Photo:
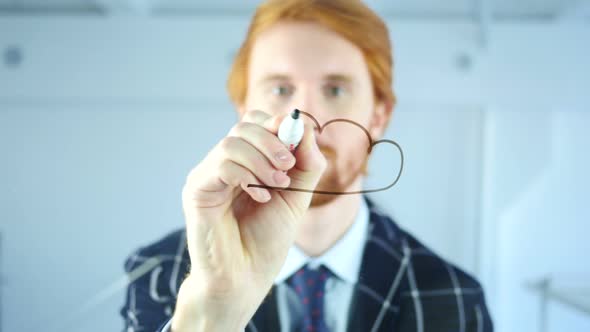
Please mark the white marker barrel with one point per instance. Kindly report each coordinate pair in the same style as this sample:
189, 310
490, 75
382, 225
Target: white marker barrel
291, 130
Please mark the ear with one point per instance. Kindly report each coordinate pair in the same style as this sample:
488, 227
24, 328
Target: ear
380, 119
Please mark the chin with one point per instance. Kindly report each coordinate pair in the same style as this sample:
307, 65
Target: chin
337, 181
331, 182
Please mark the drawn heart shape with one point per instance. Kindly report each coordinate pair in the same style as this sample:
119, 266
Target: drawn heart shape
372, 144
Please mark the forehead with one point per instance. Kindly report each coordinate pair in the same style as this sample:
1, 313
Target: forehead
304, 50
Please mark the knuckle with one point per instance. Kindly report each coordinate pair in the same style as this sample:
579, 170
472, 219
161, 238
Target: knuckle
233, 173
252, 114
243, 128
235, 129
227, 143
226, 171
190, 177
248, 116
190, 197
255, 116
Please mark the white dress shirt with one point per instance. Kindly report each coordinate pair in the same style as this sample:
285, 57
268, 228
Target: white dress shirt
343, 259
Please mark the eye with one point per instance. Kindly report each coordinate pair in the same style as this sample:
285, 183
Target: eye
282, 90
334, 91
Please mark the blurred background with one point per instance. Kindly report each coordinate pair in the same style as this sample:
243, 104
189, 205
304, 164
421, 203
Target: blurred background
106, 105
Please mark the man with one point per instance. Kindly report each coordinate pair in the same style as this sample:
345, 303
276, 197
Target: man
266, 260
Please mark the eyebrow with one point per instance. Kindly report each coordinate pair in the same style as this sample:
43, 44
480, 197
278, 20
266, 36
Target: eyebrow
339, 77
283, 77
273, 78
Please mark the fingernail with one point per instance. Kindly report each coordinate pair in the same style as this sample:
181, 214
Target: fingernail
280, 177
283, 155
263, 194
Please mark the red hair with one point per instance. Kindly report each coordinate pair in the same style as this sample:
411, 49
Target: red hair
351, 19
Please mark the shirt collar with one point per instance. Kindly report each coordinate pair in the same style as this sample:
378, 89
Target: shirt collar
343, 258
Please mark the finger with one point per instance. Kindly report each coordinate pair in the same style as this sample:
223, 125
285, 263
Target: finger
243, 153
269, 122
255, 116
265, 142
309, 167
308, 155
236, 175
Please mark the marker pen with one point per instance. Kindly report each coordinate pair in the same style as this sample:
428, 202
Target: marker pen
291, 130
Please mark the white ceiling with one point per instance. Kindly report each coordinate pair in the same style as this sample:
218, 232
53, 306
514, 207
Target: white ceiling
412, 8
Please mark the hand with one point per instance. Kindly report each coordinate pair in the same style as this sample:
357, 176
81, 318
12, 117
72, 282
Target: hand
238, 237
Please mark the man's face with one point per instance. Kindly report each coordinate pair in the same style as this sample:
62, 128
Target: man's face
306, 66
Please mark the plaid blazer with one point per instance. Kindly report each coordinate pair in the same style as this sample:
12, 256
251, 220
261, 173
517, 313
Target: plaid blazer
403, 286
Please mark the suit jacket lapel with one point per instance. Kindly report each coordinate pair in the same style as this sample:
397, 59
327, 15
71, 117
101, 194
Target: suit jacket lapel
266, 317
381, 272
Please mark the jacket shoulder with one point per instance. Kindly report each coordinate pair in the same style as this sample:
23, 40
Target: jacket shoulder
449, 297
169, 247
155, 272
433, 271
163, 264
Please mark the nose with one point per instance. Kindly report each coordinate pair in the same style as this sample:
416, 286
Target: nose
310, 102
323, 138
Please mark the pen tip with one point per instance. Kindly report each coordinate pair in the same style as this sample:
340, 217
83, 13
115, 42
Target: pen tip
295, 114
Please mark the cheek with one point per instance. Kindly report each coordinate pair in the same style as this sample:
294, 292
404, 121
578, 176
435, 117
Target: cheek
352, 149
254, 100
259, 101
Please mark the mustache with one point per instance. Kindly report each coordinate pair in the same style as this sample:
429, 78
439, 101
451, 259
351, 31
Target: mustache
328, 152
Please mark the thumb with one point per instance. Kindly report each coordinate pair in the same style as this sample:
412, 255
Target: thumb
310, 162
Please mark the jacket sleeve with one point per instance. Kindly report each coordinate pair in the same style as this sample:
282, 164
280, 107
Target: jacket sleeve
149, 300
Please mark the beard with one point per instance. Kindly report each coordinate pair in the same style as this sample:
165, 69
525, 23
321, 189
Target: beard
335, 180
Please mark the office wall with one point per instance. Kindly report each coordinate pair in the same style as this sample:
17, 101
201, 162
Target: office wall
538, 204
